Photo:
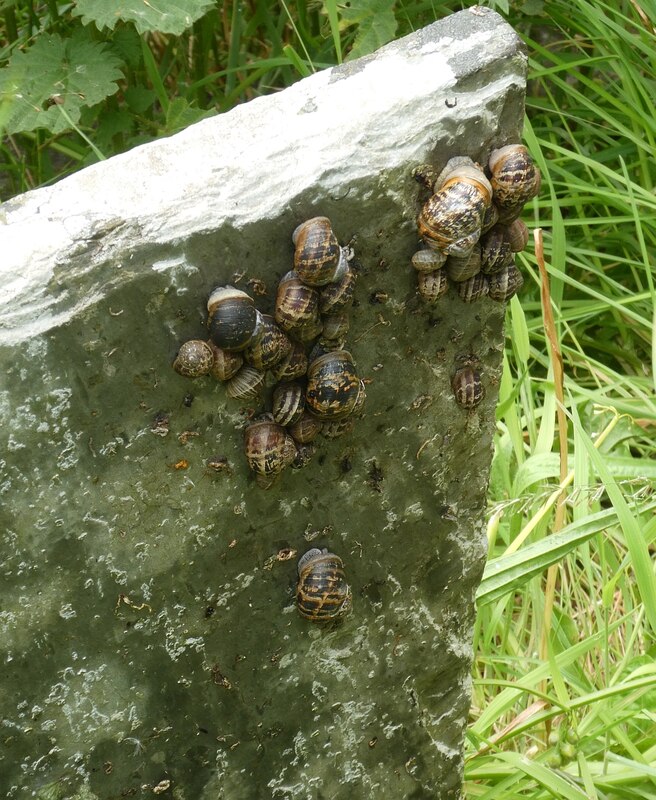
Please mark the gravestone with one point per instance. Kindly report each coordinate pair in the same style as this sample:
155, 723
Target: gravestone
150, 641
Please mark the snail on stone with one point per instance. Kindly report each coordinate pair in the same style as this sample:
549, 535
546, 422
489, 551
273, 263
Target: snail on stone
432, 285
305, 429
233, 318
246, 384
505, 283
269, 345
467, 387
333, 386
288, 402
195, 358
269, 449
226, 363
514, 179
322, 593
338, 296
297, 305
293, 365
318, 257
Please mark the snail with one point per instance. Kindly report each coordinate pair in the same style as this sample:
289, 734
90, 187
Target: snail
467, 387
462, 268
335, 325
305, 429
517, 235
246, 384
194, 358
451, 219
269, 346
514, 179
226, 363
504, 284
473, 289
233, 318
322, 593
338, 296
269, 449
333, 386
318, 258
337, 427
296, 304
288, 402
304, 454
293, 365
428, 260
496, 252
432, 285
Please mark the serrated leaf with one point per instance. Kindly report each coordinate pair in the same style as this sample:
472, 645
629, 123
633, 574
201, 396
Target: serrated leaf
180, 115
376, 24
167, 16
56, 73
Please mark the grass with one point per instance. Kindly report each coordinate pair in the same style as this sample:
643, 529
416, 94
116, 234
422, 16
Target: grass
564, 697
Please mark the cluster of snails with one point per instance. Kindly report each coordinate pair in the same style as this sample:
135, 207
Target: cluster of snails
470, 225
317, 387
322, 593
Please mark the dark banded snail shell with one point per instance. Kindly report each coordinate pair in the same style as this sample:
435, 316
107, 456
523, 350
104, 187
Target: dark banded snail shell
333, 385
269, 345
514, 179
268, 447
338, 296
504, 284
305, 429
288, 402
322, 593
226, 363
296, 304
233, 318
432, 285
293, 365
318, 258
467, 387
462, 268
246, 384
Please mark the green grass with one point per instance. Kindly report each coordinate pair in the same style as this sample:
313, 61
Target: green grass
564, 697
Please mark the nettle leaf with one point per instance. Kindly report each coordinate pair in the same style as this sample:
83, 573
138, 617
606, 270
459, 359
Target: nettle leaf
167, 16
56, 74
376, 24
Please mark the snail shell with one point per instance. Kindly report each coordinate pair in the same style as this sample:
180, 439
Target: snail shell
305, 429
336, 325
514, 179
268, 447
323, 346
517, 235
467, 387
337, 427
473, 289
194, 358
308, 333
318, 258
296, 304
462, 268
496, 252
304, 454
451, 219
288, 403
428, 260
432, 285
333, 386
322, 593
269, 345
293, 365
503, 285
246, 384
338, 296
226, 363
490, 218
233, 318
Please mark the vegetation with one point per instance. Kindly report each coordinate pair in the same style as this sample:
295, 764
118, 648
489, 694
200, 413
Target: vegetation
565, 674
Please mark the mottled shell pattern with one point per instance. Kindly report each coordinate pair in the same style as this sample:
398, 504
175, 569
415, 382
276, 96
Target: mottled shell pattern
468, 388
333, 386
318, 257
195, 358
268, 446
322, 592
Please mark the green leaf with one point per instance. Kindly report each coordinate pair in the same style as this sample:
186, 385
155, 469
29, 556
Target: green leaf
57, 74
180, 114
167, 16
376, 24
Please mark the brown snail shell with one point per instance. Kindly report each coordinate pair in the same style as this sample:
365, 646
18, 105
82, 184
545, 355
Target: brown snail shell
432, 285
428, 260
451, 219
333, 386
269, 345
288, 402
490, 218
323, 346
338, 296
305, 429
504, 284
514, 179
293, 365
296, 304
226, 363
462, 268
233, 318
268, 447
336, 325
194, 358
318, 258
473, 289
496, 252
517, 235
310, 331
467, 387
322, 593
304, 454
246, 384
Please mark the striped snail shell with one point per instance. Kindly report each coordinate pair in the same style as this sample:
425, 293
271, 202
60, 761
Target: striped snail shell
473, 289
490, 218
432, 285
496, 252
233, 318
338, 296
246, 384
333, 386
467, 387
288, 402
514, 179
336, 325
194, 359
451, 219
318, 258
269, 345
293, 365
322, 593
268, 447
310, 331
305, 429
296, 304
517, 235
462, 268
428, 260
226, 363
323, 346
504, 284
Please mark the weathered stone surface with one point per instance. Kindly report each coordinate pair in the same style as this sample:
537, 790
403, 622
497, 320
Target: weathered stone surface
146, 634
